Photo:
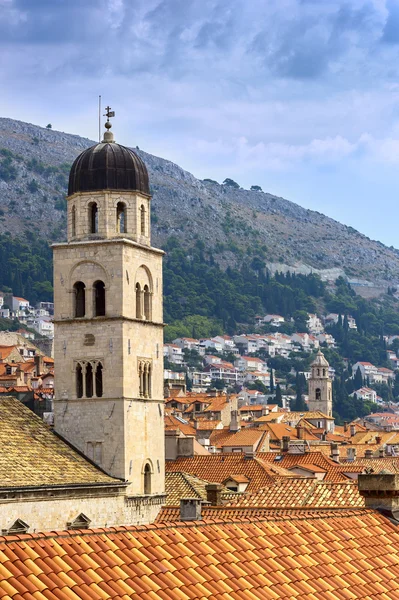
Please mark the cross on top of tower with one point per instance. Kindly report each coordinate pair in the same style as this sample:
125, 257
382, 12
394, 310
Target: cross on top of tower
108, 136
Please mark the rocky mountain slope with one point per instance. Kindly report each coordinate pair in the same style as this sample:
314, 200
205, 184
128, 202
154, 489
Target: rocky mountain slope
234, 224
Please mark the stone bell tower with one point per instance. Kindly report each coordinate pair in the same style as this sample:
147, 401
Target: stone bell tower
320, 386
108, 319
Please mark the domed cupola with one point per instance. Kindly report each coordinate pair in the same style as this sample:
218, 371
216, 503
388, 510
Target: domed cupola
108, 166
109, 193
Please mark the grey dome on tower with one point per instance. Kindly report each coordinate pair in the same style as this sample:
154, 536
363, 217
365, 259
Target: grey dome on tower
108, 166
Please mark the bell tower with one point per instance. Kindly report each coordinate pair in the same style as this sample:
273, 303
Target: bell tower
320, 386
108, 319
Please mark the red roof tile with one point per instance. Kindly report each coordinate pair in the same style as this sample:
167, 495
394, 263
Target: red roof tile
304, 555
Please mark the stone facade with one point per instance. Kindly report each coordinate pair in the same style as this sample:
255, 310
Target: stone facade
57, 509
320, 386
109, 360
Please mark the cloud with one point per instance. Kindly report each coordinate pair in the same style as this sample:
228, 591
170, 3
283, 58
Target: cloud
391, 29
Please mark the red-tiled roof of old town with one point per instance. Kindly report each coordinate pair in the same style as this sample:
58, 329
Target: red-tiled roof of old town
306, 554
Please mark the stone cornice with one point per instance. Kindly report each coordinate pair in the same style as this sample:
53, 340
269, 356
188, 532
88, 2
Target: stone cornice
105, 241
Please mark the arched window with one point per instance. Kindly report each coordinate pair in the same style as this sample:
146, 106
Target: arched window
138, 301
79, 290
142, 219
147, 303
318, 394
89, 381
99, 298
79, 381
324, 372
99, 380
73, 221
141, 380
93, 218
147, 479
121, 217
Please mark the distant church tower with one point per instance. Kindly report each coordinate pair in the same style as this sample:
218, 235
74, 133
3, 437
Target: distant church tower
108, 319
320, 386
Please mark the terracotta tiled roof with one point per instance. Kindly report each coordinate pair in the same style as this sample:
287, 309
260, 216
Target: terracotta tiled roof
334, 471
307, 555
218, 467
252, 407
206, 424
315, 414
32, 455
184, 485
287, 493
272, 416
245, 437
218, 437
172, 422
5, 351
279, 430
218, 404
376, 465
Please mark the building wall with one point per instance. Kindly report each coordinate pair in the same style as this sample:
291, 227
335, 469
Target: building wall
125, 427
54, 513
325, 403
107, 204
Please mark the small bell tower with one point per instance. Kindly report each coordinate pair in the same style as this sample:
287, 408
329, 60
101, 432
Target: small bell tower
108, 319
320, 386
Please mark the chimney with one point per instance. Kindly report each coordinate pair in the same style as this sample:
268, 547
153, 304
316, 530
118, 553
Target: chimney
190, 509
381, 492
249, 454
39, 364
214, 493
351, 454
234, 426
285, 443
265, 411
368, 454
352, 430
378, 439
335, 452
299, 432
345, 426
381, 452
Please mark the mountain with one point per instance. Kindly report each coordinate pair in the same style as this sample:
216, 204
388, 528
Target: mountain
235, 225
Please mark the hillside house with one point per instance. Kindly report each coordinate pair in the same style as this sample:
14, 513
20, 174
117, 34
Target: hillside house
365, 393
332, 318
224, 371
273, 320
246, 344
250, 363
315, 325
173, 353
306, 340
211, 344
367, 370
188, 344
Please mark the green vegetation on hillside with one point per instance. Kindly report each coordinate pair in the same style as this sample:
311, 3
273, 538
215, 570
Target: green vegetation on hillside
26, 267
196, 287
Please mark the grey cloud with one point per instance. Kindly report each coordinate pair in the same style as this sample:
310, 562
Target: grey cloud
308, 44
391, 29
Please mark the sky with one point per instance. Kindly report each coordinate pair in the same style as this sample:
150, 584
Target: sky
300, 97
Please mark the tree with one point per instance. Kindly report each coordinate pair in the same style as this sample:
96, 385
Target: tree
256, 188
217, 384
49, 126
278, 398
358, 380
231, 183
271, 382
257, 385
